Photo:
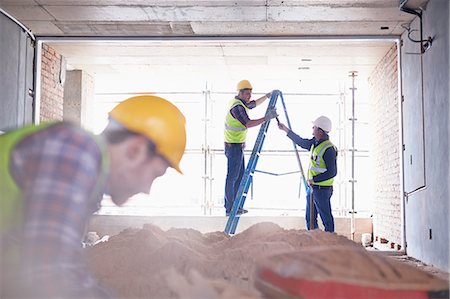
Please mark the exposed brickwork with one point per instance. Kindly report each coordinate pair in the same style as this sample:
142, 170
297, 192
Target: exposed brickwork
52, 91
386, 156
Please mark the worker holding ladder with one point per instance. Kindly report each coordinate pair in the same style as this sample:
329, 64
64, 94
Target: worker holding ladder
321, 172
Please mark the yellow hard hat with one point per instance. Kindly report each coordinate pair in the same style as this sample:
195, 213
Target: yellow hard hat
159, 120
244, 84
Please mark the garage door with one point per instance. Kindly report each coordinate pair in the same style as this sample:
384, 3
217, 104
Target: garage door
16, 75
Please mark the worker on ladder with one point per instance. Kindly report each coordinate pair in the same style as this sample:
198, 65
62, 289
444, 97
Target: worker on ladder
321, 172
236, 124
53, 177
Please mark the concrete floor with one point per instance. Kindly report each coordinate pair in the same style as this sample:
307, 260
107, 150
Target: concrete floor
403, 258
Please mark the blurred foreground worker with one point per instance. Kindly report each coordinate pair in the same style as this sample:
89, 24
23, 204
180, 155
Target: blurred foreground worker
321, 172
53, 177
237, 122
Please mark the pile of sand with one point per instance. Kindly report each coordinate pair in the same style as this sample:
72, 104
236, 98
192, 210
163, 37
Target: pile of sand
184, 263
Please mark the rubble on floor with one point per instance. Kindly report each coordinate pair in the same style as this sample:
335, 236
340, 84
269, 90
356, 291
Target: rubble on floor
184, 263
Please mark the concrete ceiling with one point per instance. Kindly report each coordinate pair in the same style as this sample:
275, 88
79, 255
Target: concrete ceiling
281, 60
287, 64
210, 17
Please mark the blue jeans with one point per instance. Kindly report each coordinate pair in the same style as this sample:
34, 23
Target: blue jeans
235, 171
322, 205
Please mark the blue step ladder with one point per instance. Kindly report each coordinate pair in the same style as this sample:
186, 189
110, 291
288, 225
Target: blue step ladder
246, 181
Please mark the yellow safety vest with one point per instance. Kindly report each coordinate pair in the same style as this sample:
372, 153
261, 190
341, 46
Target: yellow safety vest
11, 207
10, 193
235, 131
317, 164
10, 202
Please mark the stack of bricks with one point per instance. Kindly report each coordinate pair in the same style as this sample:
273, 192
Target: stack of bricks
52, 90
387, 224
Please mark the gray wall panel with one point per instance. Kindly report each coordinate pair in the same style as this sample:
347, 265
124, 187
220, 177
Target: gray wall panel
16, 75
427, 211
414, 155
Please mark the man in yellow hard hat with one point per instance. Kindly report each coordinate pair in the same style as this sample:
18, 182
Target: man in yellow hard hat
53, 177
321, 172
236, 124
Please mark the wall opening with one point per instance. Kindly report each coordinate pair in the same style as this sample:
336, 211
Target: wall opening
200, 77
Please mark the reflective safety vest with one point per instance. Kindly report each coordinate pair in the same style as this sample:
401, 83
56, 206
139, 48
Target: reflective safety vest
11, 209
235, 131
11, 202
317, 164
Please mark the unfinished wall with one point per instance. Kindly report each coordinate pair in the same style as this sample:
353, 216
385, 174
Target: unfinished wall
52, 90
427, 209
78, 93
387, 221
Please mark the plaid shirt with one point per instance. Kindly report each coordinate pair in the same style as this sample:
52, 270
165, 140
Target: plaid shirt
239, 112
57, 170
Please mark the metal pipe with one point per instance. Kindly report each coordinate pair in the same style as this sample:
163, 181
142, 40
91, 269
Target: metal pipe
345, 153
342, 195
401, 149
211, 203
206, 39
353, 75
287, 93
419, 14
37, 82
205, 149
311, 209
420, 188
216, 92
24, 28
409, 10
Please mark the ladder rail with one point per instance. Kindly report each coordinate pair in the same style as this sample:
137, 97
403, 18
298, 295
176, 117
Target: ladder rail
247, 178
295, 147
244, 185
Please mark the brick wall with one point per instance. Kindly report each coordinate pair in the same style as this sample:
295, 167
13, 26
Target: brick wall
386, 156
52, 90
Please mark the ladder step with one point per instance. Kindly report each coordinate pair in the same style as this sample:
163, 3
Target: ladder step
244, 185
247, 178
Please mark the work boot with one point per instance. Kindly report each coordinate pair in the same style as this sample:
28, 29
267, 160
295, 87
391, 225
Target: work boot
239, 212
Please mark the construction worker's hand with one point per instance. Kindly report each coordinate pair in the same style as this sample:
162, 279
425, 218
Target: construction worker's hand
271, 113
283, 127
310, 182
268, 95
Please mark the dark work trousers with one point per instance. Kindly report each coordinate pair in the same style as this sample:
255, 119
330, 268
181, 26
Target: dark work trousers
235, 170
322, 205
